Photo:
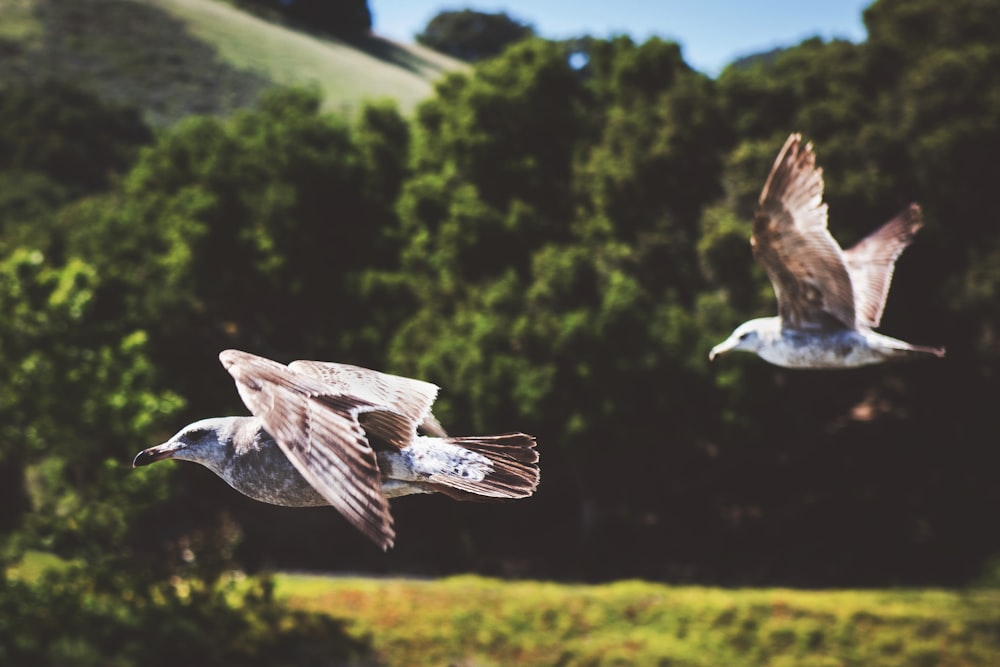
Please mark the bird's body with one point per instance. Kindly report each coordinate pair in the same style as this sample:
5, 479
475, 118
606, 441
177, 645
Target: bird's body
243, 453
835, 348
333, 434
829, 299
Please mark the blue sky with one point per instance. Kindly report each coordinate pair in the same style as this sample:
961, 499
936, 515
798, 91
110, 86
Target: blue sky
712, 33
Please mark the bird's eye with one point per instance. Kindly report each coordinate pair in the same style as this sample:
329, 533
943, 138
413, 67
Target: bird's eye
745, 336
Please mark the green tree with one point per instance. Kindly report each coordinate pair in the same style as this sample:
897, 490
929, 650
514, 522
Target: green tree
70, 135
546, 212
79, 391
57, 142
471, 35
273, 232
222, 225
893, 119
82, 392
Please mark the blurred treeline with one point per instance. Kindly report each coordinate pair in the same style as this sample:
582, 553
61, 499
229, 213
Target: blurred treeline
557, 239
345, 18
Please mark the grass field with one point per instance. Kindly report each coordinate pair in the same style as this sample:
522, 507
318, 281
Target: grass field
472, 621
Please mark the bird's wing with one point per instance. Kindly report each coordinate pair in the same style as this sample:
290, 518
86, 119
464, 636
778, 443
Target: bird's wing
404, 395
319, 432
871, 261
791, 241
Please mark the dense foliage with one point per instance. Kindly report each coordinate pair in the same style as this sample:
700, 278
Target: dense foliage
580, 237
83, 389
557, 238
473, 36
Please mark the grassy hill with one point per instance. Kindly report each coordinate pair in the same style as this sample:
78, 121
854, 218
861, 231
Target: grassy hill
177, 57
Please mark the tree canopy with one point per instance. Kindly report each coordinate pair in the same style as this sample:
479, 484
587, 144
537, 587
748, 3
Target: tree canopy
472, 35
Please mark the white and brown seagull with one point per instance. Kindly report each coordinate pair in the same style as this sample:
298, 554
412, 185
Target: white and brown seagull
829, 299
324, 433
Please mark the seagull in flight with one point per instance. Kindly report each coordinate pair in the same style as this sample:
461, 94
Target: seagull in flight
829, 299
324, 433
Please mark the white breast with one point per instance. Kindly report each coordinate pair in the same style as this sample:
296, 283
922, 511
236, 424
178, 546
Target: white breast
842, 349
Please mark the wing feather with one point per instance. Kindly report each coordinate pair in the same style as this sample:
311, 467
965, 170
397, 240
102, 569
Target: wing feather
871, 262
404, 395
319, 431
791, 241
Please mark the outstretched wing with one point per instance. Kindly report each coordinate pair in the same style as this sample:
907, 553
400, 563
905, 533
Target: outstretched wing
404, 395
871, 261
317, 427
791, 241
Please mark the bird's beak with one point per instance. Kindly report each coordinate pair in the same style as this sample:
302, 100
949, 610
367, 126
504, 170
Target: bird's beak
721, 348
158, 453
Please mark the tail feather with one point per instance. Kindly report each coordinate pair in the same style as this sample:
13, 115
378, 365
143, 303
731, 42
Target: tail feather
919, 351
514, 472
893, 349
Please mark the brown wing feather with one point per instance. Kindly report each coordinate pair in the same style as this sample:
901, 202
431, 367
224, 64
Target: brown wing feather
871, 261
319, 431
791, 241
407, 396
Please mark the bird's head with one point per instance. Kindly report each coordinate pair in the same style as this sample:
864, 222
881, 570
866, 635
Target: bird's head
208, 442
748, 337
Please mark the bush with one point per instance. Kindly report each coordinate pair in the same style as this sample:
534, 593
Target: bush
60, 619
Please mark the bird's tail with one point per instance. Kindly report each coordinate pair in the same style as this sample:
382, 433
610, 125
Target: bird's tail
908, 351
923, 350
893, 349
512, 471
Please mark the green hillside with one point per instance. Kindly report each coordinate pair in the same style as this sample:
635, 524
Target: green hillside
177, 57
